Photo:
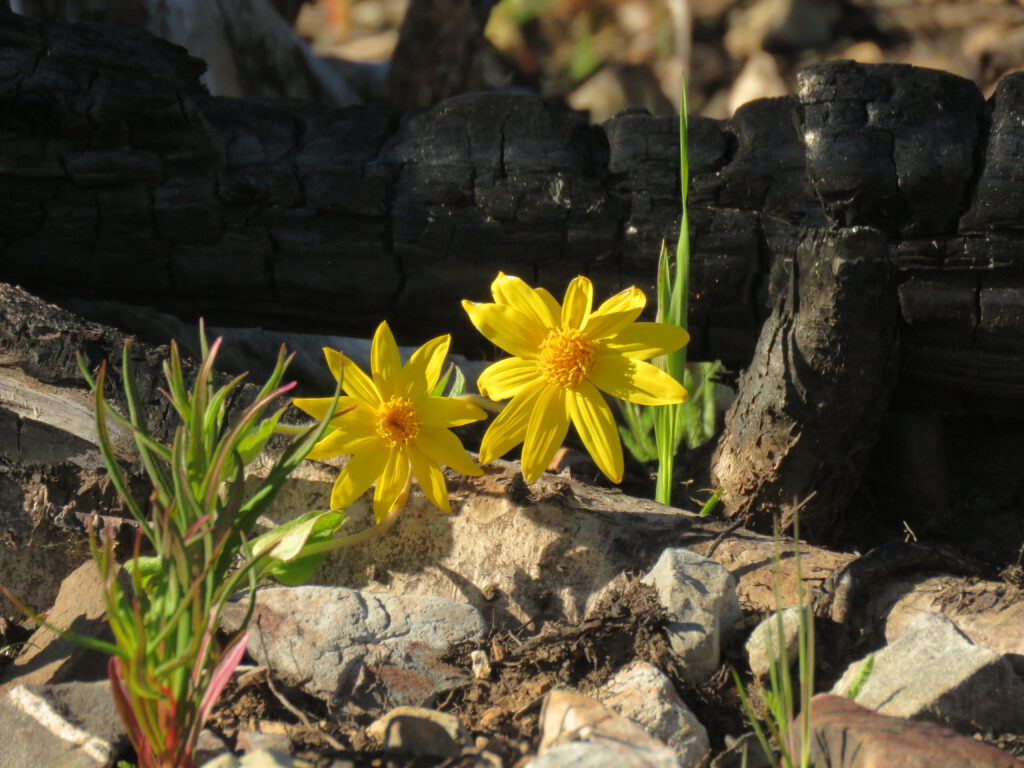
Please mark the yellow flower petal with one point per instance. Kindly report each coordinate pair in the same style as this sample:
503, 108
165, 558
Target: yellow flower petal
425, 365
635, 381
509, 428
393, 484
385, 363
334, 360
442, 447
509, 328
596, 426
317, 406
579, 297
549, 424
552, 304
358, 475
506, 377
448, 412
508, 289
341, 442
642, 341
431, 480
358, 384
615, 315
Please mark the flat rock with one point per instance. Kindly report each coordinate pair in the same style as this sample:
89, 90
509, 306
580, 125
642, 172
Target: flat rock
568, 718
641, 692
699, 596
763, 644
260, 758
359, 649
847, 735
70, 725
518, 553
47, 657
933, 672
593, 754
421, 731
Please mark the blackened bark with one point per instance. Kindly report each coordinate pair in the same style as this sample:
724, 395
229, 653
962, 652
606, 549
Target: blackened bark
121, 179
809, 408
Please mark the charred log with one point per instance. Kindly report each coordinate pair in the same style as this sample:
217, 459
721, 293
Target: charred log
809, 408
121, 178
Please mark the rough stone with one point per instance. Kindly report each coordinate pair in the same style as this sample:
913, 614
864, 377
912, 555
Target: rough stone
421, 731
268, 735
593, 754
847, 735
700, 597
359, 649
261, 758
763, 643
47, 657
933, 672
71, 725
568, 717
550, 551
642, 693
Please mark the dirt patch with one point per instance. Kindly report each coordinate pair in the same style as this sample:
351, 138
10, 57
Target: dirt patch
501, 712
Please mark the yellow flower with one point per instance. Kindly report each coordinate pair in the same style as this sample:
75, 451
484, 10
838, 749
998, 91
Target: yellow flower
562, 356
392, 426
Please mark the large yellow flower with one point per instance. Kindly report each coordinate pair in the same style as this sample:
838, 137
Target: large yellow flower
392, 426
562, 356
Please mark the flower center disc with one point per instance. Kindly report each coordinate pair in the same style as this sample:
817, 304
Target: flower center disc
397, 422
565, 357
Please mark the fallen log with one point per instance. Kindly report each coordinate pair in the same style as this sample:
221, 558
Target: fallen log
810, 405
121, 178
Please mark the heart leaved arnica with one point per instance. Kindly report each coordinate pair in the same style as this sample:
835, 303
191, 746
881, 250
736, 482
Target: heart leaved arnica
564, 356
393, 426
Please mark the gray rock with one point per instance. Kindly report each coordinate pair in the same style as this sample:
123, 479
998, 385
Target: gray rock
261, 758
48, 658
359, 649
550, 551
592, 754
932, 672
70, 725
578, 731
642, 693
699, 596
421, 731
763, 644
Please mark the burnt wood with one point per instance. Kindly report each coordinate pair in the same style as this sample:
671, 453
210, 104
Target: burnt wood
810, 404
120, 177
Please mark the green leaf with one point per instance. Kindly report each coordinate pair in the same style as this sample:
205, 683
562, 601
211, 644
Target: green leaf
250, 446
438, 389
459, 385
149, 570
290, 565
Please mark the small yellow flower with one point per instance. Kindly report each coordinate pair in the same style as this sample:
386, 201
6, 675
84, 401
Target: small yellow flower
392, 426
562, 356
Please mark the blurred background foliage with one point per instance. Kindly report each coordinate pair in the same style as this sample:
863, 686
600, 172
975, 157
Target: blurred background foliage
607, 55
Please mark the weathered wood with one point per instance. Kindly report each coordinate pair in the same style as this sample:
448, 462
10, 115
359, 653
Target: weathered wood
436, 56
810, 405
249, 46
120, 178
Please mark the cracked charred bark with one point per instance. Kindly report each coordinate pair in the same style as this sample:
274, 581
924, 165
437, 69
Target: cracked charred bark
810, 404
120, 178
